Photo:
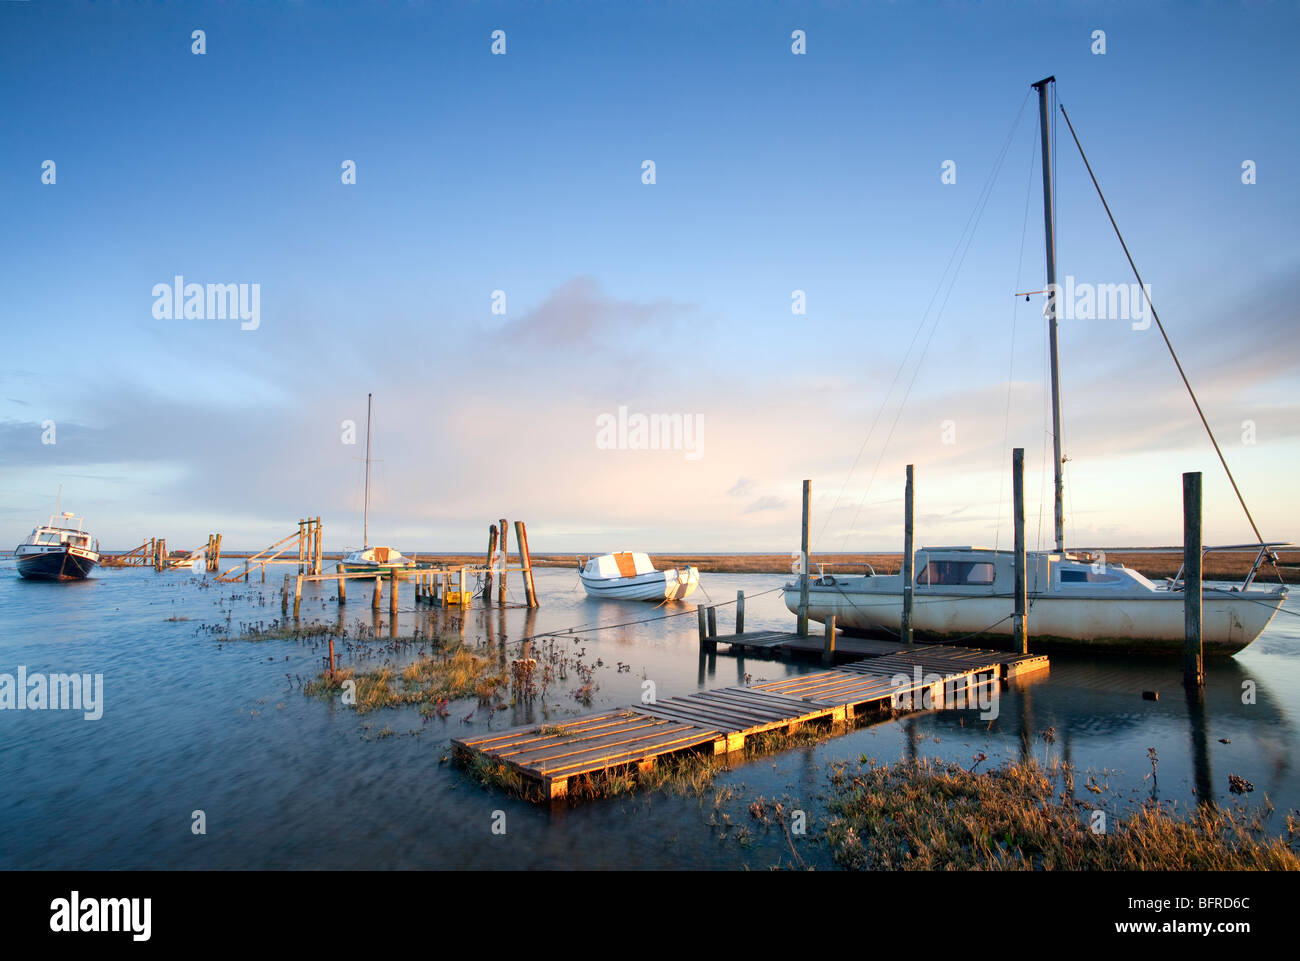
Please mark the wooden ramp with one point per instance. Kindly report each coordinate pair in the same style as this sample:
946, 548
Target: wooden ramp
718, 721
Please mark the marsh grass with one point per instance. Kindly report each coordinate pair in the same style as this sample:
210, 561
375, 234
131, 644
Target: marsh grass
429, 680
936, 815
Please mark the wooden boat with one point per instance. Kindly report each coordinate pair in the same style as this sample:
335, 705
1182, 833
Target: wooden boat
377, 559
58, 552
1075, 600
631, 576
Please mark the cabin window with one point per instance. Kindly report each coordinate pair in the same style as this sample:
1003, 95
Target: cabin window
1087, 577
951, 573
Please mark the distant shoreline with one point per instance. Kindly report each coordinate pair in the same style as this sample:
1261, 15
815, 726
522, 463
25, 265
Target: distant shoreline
1153, 562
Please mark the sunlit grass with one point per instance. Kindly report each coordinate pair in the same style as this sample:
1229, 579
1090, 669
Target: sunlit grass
934, 815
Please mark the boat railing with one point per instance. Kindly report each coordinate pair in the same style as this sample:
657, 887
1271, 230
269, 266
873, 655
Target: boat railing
1266, 551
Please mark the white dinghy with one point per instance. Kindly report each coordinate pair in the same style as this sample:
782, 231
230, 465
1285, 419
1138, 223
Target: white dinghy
630, 576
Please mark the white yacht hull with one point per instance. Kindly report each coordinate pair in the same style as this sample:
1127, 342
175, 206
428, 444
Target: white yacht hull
1229, 620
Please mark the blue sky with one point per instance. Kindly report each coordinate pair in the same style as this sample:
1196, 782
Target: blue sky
523, 173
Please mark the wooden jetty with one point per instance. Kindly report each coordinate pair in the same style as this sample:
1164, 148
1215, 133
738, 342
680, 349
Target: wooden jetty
897, 676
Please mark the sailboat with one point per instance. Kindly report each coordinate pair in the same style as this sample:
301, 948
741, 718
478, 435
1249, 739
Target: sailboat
367, 558
58, 551
1075, 600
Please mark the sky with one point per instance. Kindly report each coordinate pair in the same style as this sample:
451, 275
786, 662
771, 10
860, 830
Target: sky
504, 280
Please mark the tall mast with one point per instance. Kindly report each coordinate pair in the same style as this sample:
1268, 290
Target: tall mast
365, 517
1049, 230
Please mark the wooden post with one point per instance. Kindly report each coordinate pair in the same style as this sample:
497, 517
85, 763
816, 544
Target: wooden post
343, 585
521, 537
248, 564
803, 559
302, 547
392, 591
713, 621
828, 645
501, 585
1193, 652
297, 597
740, 612
320, 547
909, 557
374, 600
331, 653
284, 597
216, 561
443, 577
487, 578
1019, 626
703, 628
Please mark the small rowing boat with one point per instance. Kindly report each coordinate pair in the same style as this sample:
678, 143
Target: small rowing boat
630, 576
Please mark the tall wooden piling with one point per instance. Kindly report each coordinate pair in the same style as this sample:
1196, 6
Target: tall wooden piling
740, 612
1019, 623
713, 621
521, 537
505, 558
297, 597
302, 547
1193, 653
343, 584
392, 592
803, 559
909, 557
284, 597
828, 644
487, 576
379, 589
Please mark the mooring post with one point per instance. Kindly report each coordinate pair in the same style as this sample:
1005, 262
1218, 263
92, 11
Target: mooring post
343, 584
392, 591
713, 621
909, 557
1019, 626
703, 627
1193, 652
297, 597
284, 597
247, 565
331, 653
803, 559
740, 612
374, 600
487, 577
505, 557
320, 547
521, 537
302, 547
828, 645
216, 561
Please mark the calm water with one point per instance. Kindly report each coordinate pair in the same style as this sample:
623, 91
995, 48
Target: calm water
195, 720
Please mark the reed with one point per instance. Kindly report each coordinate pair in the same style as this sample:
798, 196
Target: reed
935, 815
429, 680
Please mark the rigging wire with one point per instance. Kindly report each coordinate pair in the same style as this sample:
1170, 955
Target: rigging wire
964, 243
1172, 353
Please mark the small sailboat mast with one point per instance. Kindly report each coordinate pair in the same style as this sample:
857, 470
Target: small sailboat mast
1049, 230
365, 516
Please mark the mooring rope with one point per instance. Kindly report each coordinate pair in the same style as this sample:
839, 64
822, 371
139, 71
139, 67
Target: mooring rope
1172, 353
